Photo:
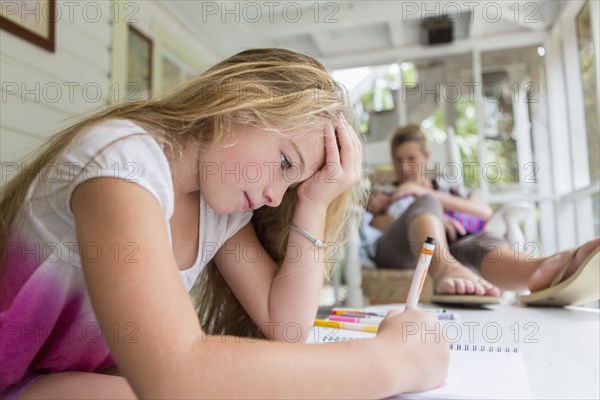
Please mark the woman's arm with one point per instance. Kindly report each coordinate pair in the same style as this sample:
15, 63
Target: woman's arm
470, 205
162, 351
382, 222
449, 201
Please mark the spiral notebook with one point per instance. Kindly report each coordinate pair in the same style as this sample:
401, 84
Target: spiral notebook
481, 372
475, 371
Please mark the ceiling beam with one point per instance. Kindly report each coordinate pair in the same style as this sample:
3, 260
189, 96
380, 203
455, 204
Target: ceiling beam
335, 15
527, 15
318, 41
397, 33
418, 52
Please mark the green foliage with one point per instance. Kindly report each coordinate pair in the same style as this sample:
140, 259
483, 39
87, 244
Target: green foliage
467, 139
409, 74
367, 99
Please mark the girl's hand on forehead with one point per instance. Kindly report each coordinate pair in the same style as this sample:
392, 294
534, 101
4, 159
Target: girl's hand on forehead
342, 168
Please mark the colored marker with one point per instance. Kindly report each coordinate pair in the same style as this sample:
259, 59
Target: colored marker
381, 316
445, 316
366, 325
371, 320
420, 273
346, 325
383, 312
344, 311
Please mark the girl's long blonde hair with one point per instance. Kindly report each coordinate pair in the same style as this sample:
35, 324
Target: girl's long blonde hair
271, 88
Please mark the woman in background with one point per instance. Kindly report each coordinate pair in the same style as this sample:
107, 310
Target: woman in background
421, 207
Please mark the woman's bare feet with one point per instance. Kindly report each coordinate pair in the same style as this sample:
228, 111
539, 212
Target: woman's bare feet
550, 266
454, 278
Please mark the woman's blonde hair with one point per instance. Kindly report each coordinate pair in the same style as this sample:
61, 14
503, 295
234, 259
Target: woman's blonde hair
269, 88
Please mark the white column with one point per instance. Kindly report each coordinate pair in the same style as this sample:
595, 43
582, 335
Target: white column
560, 145
484, 190
543, 159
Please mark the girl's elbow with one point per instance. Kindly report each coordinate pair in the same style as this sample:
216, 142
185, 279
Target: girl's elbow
288, 332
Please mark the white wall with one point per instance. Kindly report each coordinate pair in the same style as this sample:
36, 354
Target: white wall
41, 91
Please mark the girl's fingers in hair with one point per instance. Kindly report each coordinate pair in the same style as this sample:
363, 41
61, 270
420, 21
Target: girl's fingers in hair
352, 134
351, 150
345, 144
342, 165
357, 149
332, 155
348, 149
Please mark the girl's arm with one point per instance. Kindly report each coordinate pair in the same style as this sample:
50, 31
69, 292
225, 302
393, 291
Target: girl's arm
150, 325
284, 302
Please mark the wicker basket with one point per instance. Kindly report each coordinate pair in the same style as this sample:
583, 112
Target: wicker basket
382, 286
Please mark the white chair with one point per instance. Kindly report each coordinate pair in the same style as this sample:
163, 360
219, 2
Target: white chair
506, 222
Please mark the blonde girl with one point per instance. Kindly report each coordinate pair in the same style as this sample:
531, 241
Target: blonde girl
226, 187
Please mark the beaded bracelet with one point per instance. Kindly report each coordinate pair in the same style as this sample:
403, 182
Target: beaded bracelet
310, 237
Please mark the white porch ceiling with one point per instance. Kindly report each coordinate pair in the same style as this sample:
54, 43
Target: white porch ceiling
352, 33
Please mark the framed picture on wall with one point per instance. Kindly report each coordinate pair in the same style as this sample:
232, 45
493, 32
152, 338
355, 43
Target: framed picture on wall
31, 20
139, 65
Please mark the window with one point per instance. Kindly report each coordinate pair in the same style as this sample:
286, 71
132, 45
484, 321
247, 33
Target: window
587, 63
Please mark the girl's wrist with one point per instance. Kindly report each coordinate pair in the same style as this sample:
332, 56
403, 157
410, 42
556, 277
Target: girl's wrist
311, 218
388, 376
312, 206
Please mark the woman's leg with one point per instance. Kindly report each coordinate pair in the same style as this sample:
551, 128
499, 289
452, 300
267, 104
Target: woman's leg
400, 245
449, 275
396, 249
393, 249
499, 265
515, 270
79, 385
